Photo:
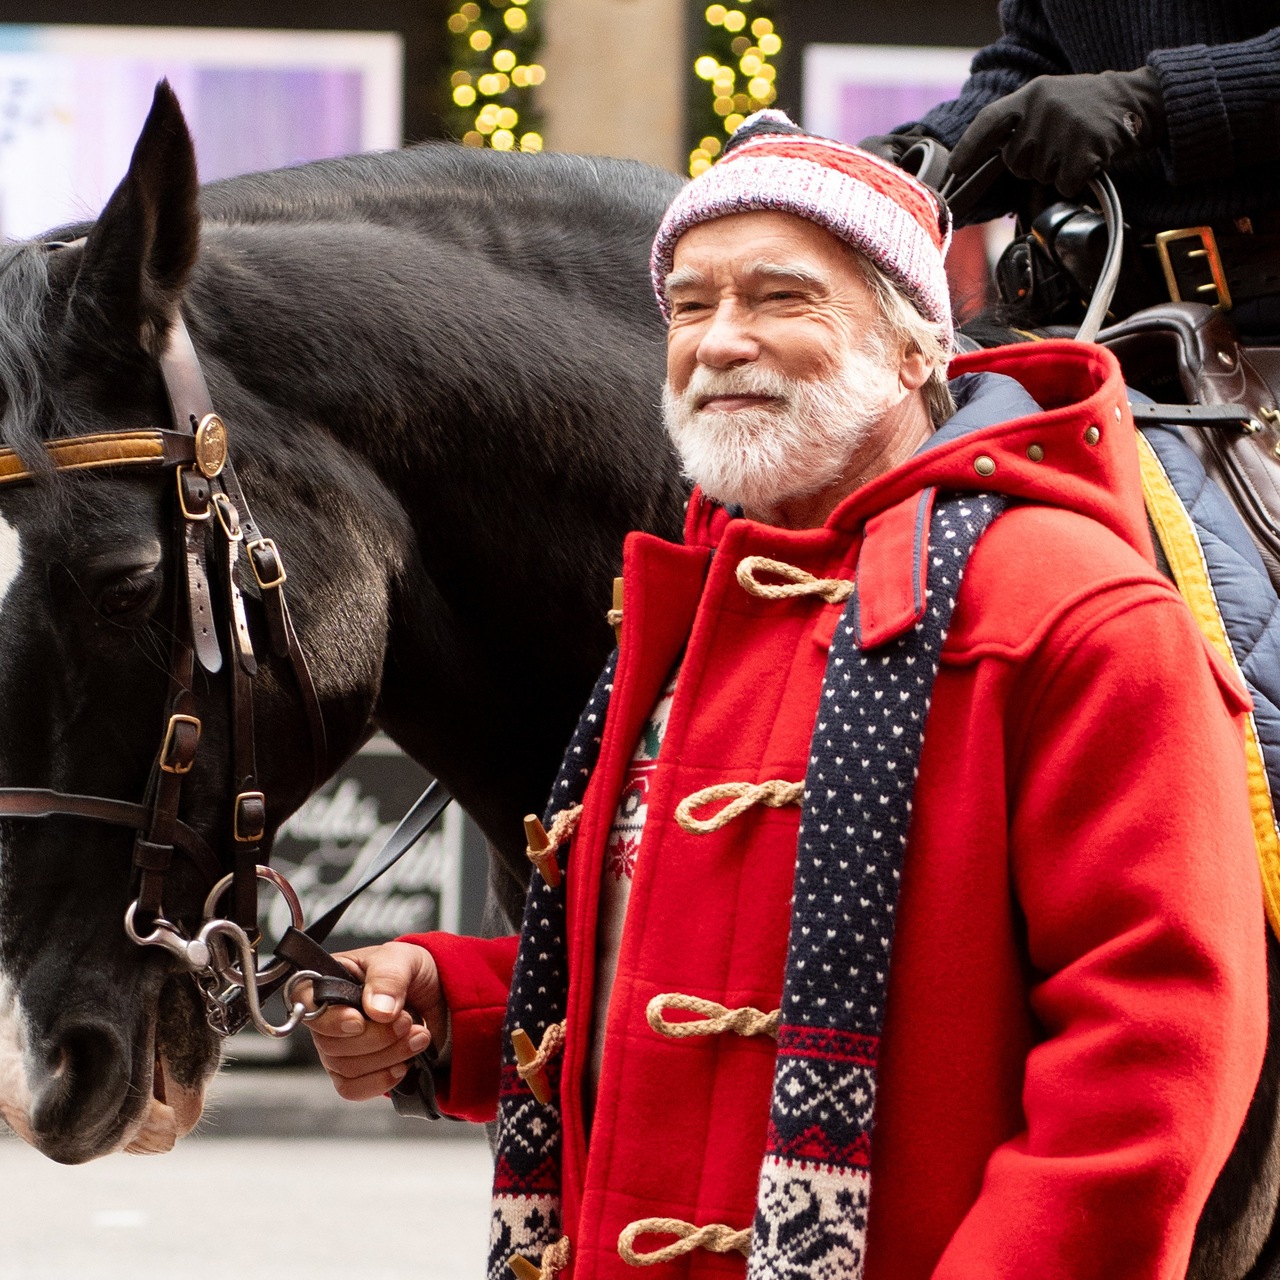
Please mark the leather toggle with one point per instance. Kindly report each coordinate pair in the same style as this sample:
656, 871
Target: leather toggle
555, 1258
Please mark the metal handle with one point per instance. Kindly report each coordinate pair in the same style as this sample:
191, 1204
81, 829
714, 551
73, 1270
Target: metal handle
1103, 292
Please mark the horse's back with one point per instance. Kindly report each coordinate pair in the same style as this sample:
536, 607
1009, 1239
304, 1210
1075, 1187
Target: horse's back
445, 187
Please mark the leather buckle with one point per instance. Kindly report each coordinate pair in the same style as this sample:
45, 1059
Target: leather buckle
181, 738
1208, 249
270, 573
228, 517
249, 824
185, 474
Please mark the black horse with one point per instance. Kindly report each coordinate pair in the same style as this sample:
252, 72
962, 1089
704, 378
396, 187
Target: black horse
440, 371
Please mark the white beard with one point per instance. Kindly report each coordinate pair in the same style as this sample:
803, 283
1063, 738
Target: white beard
791, 448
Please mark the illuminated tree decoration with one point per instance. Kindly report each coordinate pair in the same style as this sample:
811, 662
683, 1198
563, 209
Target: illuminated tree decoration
734, 61
495, 45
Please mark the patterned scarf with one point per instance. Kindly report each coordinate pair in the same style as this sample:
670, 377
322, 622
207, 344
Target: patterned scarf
815, 1181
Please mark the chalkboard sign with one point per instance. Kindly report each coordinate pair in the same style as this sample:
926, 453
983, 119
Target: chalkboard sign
325, 847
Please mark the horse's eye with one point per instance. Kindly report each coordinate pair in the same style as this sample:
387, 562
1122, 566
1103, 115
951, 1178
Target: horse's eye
126, 595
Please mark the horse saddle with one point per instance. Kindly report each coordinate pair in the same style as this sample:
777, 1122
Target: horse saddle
1190, 353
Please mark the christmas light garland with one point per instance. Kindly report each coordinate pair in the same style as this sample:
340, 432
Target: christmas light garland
738, 42
494, 50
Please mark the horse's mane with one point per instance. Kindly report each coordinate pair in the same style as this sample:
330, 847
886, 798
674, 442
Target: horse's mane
447, 184
24, 288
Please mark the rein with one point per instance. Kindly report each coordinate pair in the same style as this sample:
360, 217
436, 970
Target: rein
222, 955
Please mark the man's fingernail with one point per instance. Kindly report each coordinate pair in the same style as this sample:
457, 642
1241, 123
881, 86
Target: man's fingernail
382, 1003
399, 1071
352, 1026
419, 1039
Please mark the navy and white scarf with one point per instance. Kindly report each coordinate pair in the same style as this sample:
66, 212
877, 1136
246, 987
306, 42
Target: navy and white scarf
815, 1180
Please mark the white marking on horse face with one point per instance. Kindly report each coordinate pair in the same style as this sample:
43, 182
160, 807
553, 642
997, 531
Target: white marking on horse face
15, 1094
10, 557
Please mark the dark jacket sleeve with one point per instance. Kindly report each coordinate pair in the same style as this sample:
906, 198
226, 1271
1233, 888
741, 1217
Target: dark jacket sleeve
1222, 106
1026, 49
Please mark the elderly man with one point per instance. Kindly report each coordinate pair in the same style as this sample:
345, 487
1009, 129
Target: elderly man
840, 840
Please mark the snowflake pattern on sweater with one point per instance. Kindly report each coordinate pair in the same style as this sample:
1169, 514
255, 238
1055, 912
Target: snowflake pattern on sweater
633, 804
619, 871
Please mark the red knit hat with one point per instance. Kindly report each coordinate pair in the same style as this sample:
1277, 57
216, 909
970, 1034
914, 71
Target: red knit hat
888, 216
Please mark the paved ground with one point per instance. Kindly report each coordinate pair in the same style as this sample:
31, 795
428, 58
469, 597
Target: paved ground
269, 1207
300, 1102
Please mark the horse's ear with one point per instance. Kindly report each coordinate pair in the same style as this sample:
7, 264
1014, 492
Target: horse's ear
142, 248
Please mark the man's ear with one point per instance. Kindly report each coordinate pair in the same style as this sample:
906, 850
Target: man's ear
913, 369
142, 248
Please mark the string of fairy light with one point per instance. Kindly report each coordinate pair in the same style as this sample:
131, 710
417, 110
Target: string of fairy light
494, 48
736, 66
495, 45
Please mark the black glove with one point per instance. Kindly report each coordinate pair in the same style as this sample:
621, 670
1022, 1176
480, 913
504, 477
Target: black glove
1064, 130
892, 146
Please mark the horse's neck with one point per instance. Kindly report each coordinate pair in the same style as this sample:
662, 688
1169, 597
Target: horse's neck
511, 432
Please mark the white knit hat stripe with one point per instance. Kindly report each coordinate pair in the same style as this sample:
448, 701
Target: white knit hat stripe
875, 224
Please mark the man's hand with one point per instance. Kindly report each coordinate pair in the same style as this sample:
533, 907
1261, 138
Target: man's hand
366, 1056
1064, 130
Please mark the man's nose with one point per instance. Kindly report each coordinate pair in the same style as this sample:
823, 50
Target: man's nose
728, 339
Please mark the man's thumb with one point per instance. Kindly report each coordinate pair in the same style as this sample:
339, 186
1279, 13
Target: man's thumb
386, 982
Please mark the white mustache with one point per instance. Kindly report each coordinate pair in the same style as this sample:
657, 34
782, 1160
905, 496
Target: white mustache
795, 442
747, 380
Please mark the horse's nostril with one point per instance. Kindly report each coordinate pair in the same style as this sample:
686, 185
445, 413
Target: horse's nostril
88, 1079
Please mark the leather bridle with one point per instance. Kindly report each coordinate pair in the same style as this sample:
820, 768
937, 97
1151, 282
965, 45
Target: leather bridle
193, 455
222, 954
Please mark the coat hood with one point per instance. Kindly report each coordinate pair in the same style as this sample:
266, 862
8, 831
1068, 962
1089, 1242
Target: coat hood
1045, 422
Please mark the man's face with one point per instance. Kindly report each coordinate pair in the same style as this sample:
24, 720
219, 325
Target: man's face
777, 377
769, 289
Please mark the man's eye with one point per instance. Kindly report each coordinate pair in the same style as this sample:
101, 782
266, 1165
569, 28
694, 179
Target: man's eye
685, 306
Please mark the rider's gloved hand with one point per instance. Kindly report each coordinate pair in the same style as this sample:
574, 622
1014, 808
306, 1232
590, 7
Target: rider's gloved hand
892, 146
366, 1056
1064, 130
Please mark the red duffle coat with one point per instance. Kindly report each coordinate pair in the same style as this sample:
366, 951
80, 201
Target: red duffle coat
1077, 996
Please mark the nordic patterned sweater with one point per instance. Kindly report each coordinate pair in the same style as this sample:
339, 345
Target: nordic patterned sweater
1219, 65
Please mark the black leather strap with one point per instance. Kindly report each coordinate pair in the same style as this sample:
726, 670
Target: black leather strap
39, 802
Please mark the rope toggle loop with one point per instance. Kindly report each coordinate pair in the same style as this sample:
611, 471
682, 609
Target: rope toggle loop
543, 845
776, 793
716, 1237
531, 1063
798, 581
717, 1018
555, 1257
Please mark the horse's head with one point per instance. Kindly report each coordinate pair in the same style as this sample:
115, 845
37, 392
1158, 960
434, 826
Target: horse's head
104, 1044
